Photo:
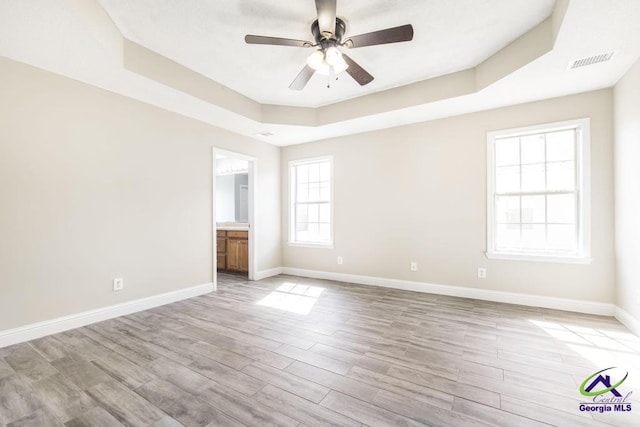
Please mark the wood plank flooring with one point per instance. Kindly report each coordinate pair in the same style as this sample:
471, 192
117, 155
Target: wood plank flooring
288, 351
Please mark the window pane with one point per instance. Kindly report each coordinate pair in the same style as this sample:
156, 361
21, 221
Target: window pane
562, 208
302, 234
532, 148
313, 232
507, 151
303, 193
508, 179
324, 232
533, 237
314, 191
560, 145
302, 214
314, 172
533, 178
560, 176
533, 209
311, 210
508, 236
325, 193
561, 237
325, 213
313, 213
303, 173
508, 209
325, 171
535, 190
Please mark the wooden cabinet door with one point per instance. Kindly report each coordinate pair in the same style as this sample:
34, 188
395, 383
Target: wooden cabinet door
221, 244
233, 254
233, 251
243, 255
221, 263
221, 250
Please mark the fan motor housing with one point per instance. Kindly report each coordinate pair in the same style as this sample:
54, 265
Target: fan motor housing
337, 37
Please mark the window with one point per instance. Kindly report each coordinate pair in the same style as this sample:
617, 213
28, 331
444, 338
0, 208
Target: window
310, 217
538, 193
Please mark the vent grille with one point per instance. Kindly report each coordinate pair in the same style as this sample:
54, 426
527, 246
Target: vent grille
584, 62
265, 134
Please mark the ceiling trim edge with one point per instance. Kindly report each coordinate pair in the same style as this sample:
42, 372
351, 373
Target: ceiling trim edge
522, 51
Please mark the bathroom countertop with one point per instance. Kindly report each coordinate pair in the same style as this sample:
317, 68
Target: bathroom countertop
233, 226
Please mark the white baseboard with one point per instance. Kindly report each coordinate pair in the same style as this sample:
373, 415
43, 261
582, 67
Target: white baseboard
579, 306
61, 324
263, 274
628, 320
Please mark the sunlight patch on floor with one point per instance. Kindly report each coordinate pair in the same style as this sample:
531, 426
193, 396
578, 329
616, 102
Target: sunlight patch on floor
601, 347
293, 297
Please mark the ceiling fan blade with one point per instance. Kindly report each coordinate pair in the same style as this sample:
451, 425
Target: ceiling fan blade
251, 39
326, 17
302, 78
403, 33
358, 73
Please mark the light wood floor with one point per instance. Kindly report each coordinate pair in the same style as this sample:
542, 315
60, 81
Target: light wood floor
361, 356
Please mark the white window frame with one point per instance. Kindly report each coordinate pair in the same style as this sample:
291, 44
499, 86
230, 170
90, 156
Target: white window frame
583, 190
292, 203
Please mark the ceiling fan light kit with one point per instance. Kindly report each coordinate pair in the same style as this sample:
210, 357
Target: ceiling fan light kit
322, 61
327, 59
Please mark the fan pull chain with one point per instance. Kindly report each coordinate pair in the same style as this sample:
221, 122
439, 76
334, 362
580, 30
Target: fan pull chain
332, 74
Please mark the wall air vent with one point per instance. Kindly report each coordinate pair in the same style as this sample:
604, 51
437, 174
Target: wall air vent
603, 57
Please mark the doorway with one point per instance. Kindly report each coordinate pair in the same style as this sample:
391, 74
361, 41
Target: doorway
234, 225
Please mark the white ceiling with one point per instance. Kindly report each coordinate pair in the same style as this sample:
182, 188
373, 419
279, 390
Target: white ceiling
208, 37
83, 40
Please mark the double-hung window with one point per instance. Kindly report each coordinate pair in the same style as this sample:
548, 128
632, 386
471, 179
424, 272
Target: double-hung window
538, 193
310, 193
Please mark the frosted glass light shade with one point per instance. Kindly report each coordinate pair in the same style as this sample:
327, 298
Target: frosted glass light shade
334, 58
316, 59
323, 61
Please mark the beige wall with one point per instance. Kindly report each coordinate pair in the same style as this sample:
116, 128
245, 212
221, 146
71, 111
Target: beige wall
627, 190
418, 193
94, 186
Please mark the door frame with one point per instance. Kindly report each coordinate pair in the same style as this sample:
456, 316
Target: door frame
252, 180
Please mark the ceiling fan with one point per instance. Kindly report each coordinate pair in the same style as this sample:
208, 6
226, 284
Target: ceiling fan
328, 33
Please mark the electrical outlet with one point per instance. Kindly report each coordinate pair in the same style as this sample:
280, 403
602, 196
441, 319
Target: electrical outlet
340, 260
414, 266
482, 273
118, 284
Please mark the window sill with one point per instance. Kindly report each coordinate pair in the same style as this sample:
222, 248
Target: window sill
311, 245
510, 256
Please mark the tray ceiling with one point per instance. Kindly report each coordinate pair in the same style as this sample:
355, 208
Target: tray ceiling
208, 37
189, 57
